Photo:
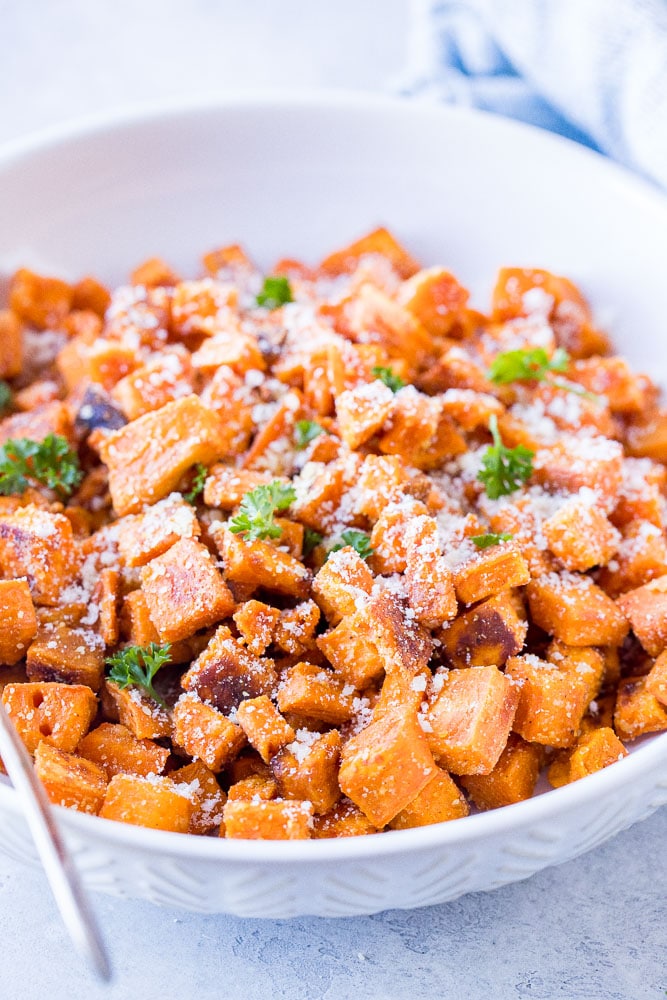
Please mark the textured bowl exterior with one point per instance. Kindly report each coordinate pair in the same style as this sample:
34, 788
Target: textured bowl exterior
299, 177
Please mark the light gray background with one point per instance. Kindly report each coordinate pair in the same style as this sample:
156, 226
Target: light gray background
595, 928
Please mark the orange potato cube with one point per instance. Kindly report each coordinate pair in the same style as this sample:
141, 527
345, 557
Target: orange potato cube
380, 242
428, 579
153, 272
580, 535
385, 766
136, 623
656, 679
612, 378
18, 621
490, 571
40, 301
486, 634
117, 751
278, 819
315, 692
420, 432
573, 462
266, 729
155, 802
70, 655
11, 344
344, 820
647, 437
438, 802
362, 411
46, 418
262, 565
646, 610
637, 710
70, 781
435, 298
148, 456
226, 485
470, 719
513, 778
207, 796
253, 787
342, 584
139, 712
593, 751
308, 769
205, 733
105, 597
271, 447
257, 623
226, 673
551, 701
185, 591
59, 714
89, 293
39, 546
142, 537
388, 537
587, 663
381, 480
295, 631
641, 557
576, 611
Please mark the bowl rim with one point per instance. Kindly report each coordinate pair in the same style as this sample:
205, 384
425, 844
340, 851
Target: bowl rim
463, 832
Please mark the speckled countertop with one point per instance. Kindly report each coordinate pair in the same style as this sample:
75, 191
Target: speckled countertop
595, 928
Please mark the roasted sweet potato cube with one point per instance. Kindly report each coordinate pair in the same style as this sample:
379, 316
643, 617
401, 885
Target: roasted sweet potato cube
428, 580
342, 584
486, 634
154, 801
226, 485
576, 611
637, 709
11, 344
208, 797
593, 751
420, 432
646, 437
595, 462
646, 610
438, 802
308, 769
142, 537
490, 571
70, 781
257, 623
40, 301
266, 729
271, 446
18, 621
382, 480
59, 714
135, 621
253, 787
656, 679
640, 557
470, 719
362, 411
89, 293
295, 631
262, 565
105, 597
469, 409
551, 701
185, 591
388, 537
39, 546
205, 733
277, 819
320, 490
70, 655
385, 766
435, 298
581, 535
317, 693
226, 673
148, 456
586, 662
380, 242
114, 749
46, 418
153, 272
402, 689
513, 778
344, 820
139, 712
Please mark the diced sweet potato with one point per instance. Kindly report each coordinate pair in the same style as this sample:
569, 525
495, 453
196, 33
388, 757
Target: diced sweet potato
154, 801
490, 571
436, 299
315, 692
551, 701
637, 710
139, 712
593, 751
136, 623
271, 448
257, 623
640, 557
11, 344
105, 597
231, 346
117, 751
646, 610
59, 714
342, 584
226, 673
656, 679
262, 565
89, 293
420, 432
70, 655
142, 537
428, 579
46, 418
226, 485
581, 535
576, 611
40, 301
18, 621
205, 733
380, 242
647, 436
70, 781
595, 462
207, 796
382, 480
295, 631
266, 729
185, 591
438, 802
513, 778
486, 634
470, 719
362, 411
153, 272
388, 538
39, 546
344, 820
308, 769
587, 663
148, 456
385, 766
278, 819
253, 787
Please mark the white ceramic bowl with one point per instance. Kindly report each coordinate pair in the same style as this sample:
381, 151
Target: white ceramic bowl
298, 177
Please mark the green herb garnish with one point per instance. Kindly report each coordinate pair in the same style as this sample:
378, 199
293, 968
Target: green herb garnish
255, 516
197, 487
137, 666
6, 397
311, 539
276, 291
389, 377
486, 541
306, 431
359, 541
50, 463
533, 365
504, 469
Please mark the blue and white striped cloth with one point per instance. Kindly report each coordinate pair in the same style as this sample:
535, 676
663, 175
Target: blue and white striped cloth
593, 70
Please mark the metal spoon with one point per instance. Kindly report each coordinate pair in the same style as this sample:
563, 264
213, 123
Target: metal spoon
58, 866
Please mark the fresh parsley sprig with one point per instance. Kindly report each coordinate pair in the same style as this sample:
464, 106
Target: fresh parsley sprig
389, 377
311, 539
306, 431
489, 539
533, 364
255, 516
359, 541
197, 487
504, 469
50, 463
276, 291
6, 398
137, 666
